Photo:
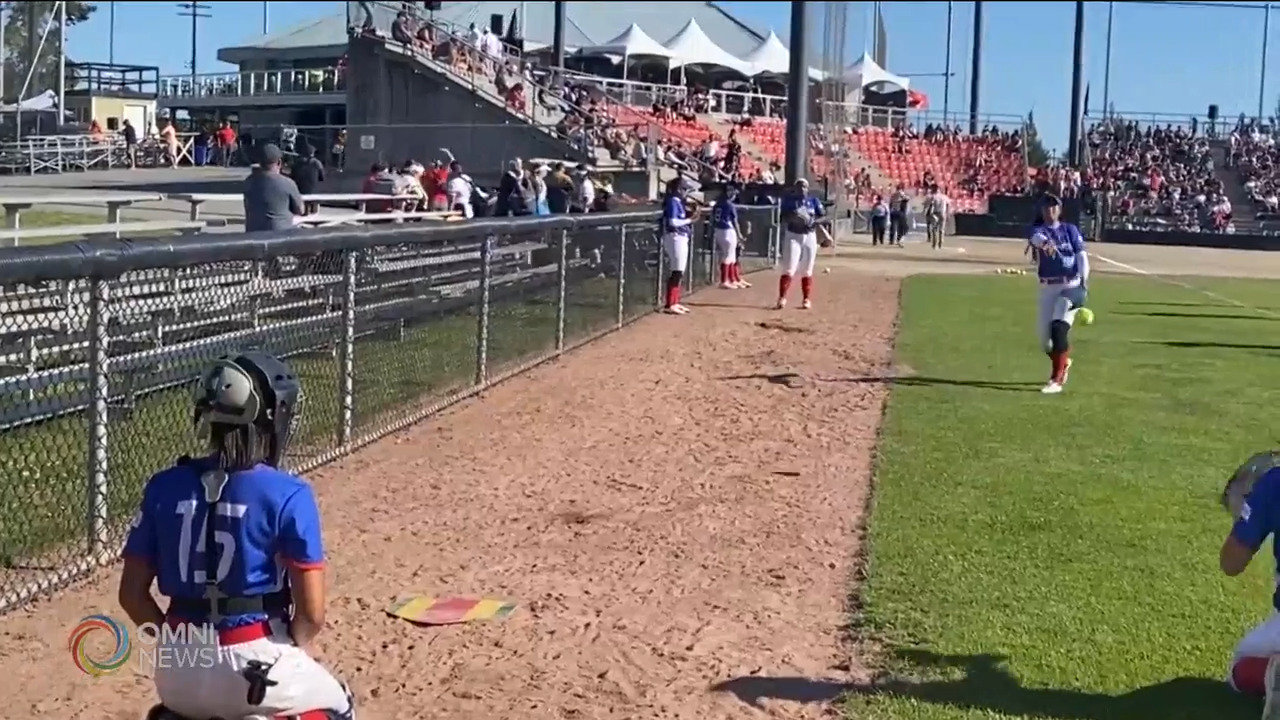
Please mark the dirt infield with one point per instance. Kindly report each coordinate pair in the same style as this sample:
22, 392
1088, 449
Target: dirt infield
674, 508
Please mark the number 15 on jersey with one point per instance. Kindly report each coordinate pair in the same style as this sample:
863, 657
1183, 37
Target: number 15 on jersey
192, 541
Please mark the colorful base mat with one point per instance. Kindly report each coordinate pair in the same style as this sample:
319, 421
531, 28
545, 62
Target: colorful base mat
425, 610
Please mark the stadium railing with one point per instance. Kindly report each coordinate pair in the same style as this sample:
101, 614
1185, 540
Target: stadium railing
100, 343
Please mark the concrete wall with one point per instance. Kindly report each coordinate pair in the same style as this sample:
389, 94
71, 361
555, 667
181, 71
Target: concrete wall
409, 111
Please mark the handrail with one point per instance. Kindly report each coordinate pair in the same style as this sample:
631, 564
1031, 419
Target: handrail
530, 82
112, 258
293, 81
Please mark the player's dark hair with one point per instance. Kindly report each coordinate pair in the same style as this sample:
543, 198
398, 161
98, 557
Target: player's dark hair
239, 447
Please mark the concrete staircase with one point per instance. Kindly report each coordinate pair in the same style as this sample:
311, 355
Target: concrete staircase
544, 119
1241, 202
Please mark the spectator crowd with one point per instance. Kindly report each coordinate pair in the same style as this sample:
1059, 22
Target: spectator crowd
1155, 177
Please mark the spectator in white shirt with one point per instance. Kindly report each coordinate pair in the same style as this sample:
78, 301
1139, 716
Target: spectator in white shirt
459, 190
585, 192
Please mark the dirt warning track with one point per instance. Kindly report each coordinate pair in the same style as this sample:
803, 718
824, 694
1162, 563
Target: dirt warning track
674, 508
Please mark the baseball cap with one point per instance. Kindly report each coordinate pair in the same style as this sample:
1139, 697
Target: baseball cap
1050, 200
270, 154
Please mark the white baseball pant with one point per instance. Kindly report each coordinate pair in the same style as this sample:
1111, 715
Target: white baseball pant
726, 245
677, 249
799, 253
202, 689
1261, 642
1054, 305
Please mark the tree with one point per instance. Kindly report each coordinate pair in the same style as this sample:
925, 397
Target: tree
1037, 155
24, 24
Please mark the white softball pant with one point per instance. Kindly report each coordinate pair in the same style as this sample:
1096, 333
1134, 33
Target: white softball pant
677, 249
1262, 642
726, 245
799, 253
1054, 305
203, 688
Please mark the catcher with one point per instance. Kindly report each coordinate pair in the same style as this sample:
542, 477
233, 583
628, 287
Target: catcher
1252, 496
234, 541
803, 217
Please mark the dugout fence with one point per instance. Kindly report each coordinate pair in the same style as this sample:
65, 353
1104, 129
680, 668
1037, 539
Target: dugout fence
101, 342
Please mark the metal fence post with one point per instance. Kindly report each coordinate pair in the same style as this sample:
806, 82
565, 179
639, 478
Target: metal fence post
562, 275
482, 327
347, 351
99, 414
661, 267
622, 276
775, 234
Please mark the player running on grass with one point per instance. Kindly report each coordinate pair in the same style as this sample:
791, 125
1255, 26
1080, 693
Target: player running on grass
1063, 269
1252, 496
724, 221
254, 568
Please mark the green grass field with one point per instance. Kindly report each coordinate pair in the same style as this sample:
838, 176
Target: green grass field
1056, 556
42, 466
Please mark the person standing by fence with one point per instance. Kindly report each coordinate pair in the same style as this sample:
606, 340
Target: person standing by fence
307, 173
879, 219
271, 200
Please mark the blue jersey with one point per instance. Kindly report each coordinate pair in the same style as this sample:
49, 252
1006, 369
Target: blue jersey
1260, 517
1058, 248
673, 213
724, 215
266, 518
792, 204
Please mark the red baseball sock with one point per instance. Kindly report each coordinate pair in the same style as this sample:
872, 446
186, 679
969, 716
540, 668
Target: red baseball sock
1249, 675
784, 284
735, 273
1059, 360
726, 273
806, 287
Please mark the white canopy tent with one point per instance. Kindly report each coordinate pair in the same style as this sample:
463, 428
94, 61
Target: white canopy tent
867, 72
46, 101
691, 46
632, 43
770, 57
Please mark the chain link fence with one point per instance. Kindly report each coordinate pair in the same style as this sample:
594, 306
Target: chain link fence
100, 344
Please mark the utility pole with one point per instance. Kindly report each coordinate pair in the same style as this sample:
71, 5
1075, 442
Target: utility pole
193, 10
111, 40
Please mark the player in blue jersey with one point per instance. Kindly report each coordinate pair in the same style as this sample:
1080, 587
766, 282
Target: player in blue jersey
255, 571
724, 224
801, 215
1252, 496
1063, 269
677, 233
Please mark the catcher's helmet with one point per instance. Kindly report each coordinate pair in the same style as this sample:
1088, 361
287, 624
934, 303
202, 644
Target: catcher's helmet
1241, 481
253, 391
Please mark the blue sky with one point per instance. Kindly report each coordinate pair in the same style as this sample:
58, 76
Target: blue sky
1164, 59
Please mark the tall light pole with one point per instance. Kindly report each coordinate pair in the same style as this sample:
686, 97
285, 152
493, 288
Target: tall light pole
266, 17
62, 64
111, 39
946, 83
193, 10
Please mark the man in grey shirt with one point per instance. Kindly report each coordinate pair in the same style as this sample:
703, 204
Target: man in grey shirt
271, 200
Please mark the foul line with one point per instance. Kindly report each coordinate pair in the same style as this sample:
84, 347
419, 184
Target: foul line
1185, 286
